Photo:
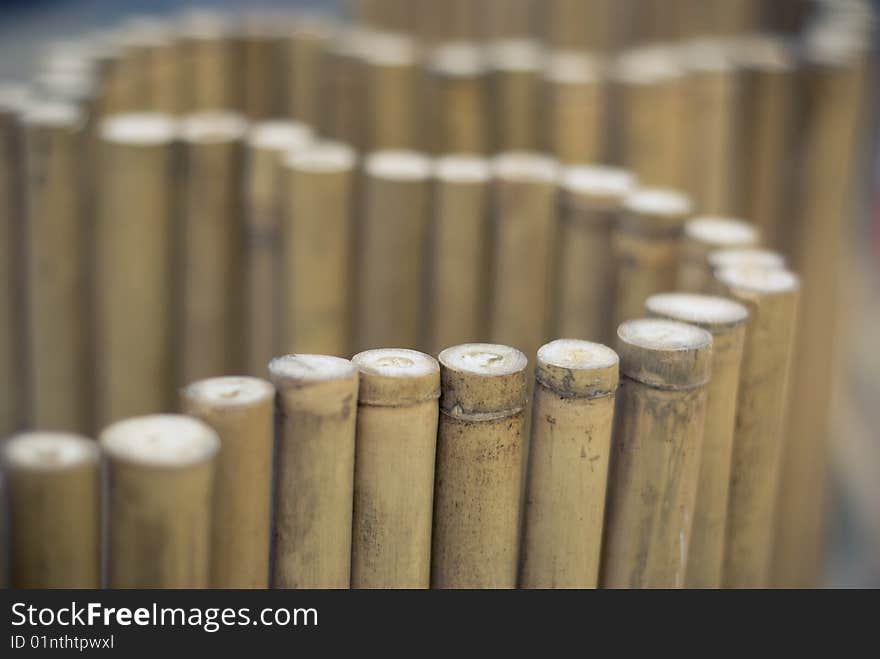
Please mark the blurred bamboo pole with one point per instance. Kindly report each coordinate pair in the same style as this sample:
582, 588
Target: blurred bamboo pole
133, 281
304, 56
726, 321
211, 63
57, 237
570, 447
480, 447
394, 469
317, 400
458, 262
267, 144
575, 108
12, 100
240, 410
317, 238
261, 40
749, 257
504, 19
591, 201
646, 245
393, 84
515, 67
392, 244
658, 437
771, 297
836, 78
160, 483
54, 489
703, 236
343, 88
210, 234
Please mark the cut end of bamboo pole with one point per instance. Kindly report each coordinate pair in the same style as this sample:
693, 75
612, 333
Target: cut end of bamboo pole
748, 257
573, 68
706, 311
280, 135
14, 97
459, 60
647, 66
49, 451
139, 129
516, 54
298, 370
482, 381
161, 440
763, 281
665, 354
462, 169
384, 49
609, 184
213, 127
763, 52
52, 114
322, 158
721, 232
230, 391
525, 167
398, 165
658, 202
394, 377
577, 369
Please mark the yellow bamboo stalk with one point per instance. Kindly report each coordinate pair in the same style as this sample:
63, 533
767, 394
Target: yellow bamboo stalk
568, 464
480, 443
458, 263
752, 257
318, 246
392, 79
134, 258
646, 246
703, 236
726, 321
515, 100
211, 63
304, 55
54, 489
575, 108
262, 40
394, 469
55, 248
240, 410
210, 268
344, 89
160, 483
268, 143
658, 437
317, 399
392, 240
771, 297
592, 199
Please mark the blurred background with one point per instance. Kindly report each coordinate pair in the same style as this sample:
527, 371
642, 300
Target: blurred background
852, 558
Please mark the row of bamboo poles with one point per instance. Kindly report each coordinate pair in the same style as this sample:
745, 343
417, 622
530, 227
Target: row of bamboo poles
189, 199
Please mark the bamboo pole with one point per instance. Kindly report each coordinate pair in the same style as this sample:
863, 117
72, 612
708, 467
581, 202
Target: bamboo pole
459, 92
836, 82
134, 258
769, 79
392, 242
726, 321
575, 106
304, 55
150, 55
262, 40
394, 469
55, 252
568, 23
240, 410
712, 90
392, 78
160, 483
211, 64
267, 143
316, 236
752, 257
658, 438
343, 88
13, 99
443, 22
522, 249
649, 86
771, 298
458, 263
317, 399
646, 246
592, 198
568, 464
701, 237
54, 489
504, 19
210, 238
478, 482
515, 67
